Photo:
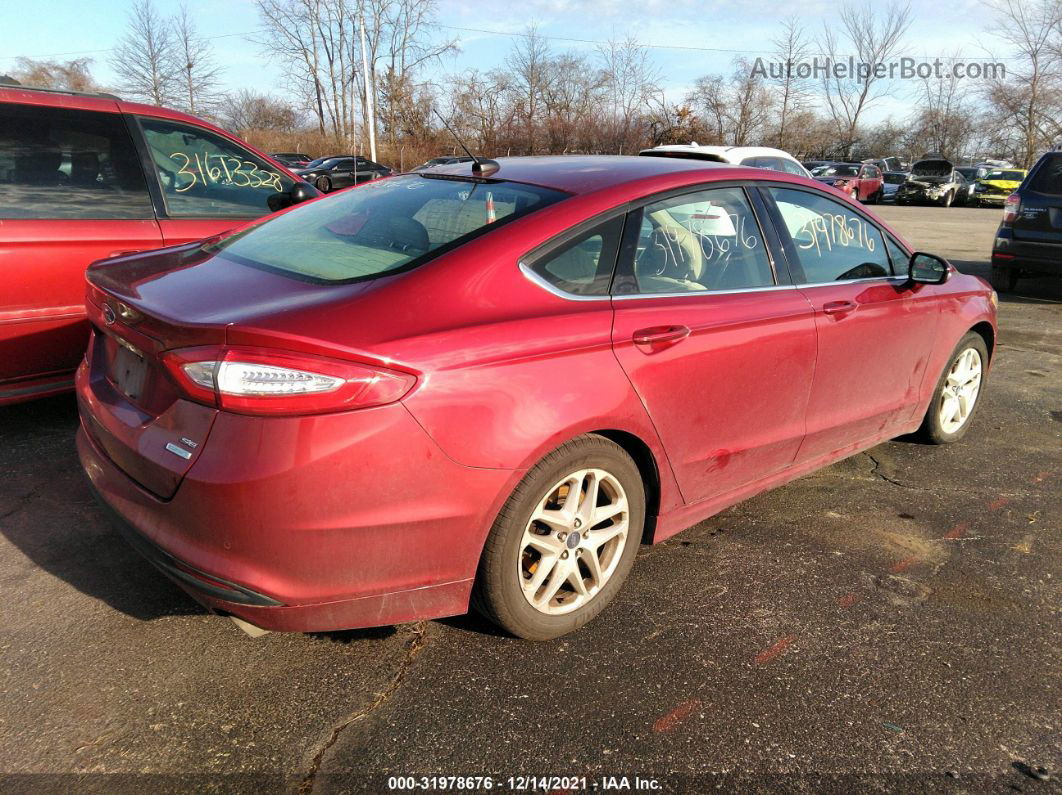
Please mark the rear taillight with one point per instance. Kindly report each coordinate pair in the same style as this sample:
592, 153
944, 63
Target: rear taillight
263, 381
1011, 208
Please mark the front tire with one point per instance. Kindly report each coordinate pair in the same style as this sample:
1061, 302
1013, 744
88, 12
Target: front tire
947, 200
564, 542
957, 393
324, 184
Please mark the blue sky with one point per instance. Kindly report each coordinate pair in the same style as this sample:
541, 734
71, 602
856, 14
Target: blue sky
90, 28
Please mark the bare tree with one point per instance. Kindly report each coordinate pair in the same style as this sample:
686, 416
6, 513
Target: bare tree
527, 62
791, 49
1030, 96
72, 75
943, 119
630, 81
145, 58
199, 74
248, 110
871, 39
735, 111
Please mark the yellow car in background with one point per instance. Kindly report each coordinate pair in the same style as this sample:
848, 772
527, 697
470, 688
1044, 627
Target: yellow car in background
995, 186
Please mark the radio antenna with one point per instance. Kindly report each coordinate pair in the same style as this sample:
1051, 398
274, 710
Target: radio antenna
481, 166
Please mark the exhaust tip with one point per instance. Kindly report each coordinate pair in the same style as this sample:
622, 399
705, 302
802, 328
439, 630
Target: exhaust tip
249, 628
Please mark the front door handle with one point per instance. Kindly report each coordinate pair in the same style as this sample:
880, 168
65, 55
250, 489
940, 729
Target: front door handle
838, 307
658, 337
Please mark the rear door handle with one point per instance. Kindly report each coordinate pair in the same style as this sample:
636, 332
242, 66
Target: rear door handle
125, 253
657, 337
838, 307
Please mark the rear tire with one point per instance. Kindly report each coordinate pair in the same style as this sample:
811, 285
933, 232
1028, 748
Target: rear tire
1003, 280
957, 393
540, 579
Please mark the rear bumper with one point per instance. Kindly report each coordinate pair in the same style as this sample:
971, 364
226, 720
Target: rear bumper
1037, 258
376, 528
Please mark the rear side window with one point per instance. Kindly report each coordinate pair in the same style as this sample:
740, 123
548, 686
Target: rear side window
708, 240
67, 164
1048, 176
383, 227
583, 265
204, 175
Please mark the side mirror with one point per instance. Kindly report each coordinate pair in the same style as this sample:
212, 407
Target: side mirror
300, 192
928, 268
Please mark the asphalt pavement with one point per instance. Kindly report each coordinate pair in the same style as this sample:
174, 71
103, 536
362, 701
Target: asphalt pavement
889, 623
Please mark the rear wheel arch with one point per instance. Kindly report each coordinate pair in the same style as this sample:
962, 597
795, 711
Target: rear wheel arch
643, 456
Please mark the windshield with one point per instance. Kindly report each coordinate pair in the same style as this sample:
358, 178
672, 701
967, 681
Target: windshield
1006, 176
836, 171
382, 227
895, 179
932, 168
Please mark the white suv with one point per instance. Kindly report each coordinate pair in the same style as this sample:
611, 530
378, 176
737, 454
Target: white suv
755, 156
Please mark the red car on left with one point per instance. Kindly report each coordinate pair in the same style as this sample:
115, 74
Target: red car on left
84, 177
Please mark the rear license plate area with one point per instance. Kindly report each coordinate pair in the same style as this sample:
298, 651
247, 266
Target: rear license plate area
128, 372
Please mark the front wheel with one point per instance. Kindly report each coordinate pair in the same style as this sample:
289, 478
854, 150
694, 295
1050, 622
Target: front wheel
946, 201
324, 184
564, 542
957, 393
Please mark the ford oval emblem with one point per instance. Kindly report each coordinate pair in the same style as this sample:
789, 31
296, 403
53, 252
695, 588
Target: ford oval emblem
108, 315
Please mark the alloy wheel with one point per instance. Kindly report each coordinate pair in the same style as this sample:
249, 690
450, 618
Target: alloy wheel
574, 541
960, 390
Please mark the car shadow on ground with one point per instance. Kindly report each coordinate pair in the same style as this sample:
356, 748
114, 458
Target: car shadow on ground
48, 513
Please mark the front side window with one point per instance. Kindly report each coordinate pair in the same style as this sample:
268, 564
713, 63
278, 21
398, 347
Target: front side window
792, 167
832, 242
68, 164
204, 175
384, 227
583, 264
900, 258
708, 240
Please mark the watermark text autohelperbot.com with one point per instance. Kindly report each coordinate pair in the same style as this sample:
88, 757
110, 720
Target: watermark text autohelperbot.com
901, 69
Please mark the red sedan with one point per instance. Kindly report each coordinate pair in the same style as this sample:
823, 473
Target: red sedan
498, 382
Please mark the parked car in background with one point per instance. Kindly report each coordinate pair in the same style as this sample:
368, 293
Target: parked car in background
890, 184
811, 165
89, 176
886, 163
861, 181
341, 171
933, 180
992, 189
292, 159
970, 175
754, 156
1029, 239
443, 161
366, 409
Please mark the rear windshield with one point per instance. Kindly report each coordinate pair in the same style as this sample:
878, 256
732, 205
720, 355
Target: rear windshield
1048, 178
896, 179
836, 171
381, 227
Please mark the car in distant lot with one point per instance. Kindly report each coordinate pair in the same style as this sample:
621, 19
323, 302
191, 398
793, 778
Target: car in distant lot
341, 171
292, 159
1029, 239
970, 175
447, 160
811, 165
862, 181
933, 180
993, 188
754, 156
84, 177
886, 163
890, 184
495, 381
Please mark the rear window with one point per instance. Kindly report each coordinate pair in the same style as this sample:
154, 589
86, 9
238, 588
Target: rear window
1005, 176
381, 227
1048, 176
896, 179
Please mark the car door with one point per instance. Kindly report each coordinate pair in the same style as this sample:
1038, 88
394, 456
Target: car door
875, 328
71, 191
719, 347
205, 184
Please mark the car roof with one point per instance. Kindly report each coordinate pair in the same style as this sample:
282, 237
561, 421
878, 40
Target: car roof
586, 173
